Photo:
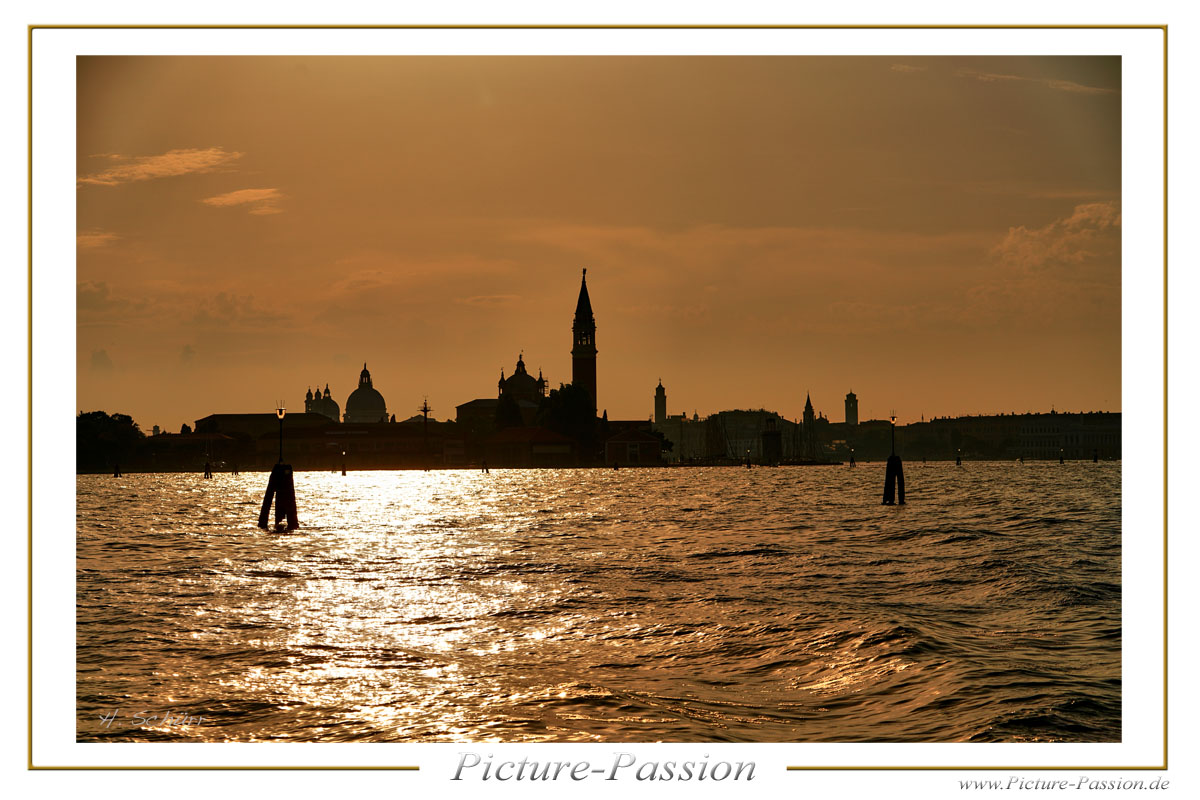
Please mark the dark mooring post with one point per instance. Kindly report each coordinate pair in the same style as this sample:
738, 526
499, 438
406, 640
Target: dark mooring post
207, 469
958, 459
893, 481
281, 488
343, 462
1095, 456
852, 457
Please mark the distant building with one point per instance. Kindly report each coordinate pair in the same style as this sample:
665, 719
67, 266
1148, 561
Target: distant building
688, 437
253, 426
322, 404
851, 409
365, 404
1075, 436
731, 436
811, 448
738, 434
772, 442
660, 404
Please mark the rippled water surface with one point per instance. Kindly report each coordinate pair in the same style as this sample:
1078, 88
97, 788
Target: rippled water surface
713, 604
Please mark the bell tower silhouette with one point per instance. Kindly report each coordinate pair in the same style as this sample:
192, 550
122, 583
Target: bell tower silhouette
583, 353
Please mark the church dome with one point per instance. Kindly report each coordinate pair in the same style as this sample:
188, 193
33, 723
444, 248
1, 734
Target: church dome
522, 385
365, 404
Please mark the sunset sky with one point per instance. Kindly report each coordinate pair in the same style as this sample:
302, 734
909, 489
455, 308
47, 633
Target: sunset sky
941, 235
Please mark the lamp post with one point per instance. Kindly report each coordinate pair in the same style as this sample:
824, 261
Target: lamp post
280, 412
893, 481
280, 487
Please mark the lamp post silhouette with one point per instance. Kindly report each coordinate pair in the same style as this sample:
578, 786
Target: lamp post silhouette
893, 481
280, 412
280, 487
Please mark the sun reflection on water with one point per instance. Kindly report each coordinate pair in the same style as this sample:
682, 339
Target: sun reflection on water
577, 605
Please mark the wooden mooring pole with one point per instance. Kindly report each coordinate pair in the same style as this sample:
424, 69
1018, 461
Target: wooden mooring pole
893, 480
280, 488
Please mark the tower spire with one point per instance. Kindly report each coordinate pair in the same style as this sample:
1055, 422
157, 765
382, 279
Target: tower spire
583, 351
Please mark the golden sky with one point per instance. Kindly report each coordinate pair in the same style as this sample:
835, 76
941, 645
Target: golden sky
941, 235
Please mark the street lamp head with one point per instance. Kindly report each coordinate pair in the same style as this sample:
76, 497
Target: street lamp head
280, 412
893, 418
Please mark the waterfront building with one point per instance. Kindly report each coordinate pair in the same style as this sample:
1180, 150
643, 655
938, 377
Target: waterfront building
1076, 436
530, 447
254, 426
851, 409
632, 447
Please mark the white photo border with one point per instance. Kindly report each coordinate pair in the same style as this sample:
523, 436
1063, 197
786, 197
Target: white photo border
52, 198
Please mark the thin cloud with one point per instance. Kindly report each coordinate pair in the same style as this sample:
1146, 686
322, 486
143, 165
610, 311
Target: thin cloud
93, 296
489, 300
1049, 83
907, 68
92, 239
1075, 194
234, 312
101, 362
168, 165
260, 201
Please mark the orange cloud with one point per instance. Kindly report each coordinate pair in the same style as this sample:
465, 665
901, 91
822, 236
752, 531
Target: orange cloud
93, 239
167, 165
1091, 233
261, 201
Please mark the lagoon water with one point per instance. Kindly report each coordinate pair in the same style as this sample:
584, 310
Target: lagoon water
688, 605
